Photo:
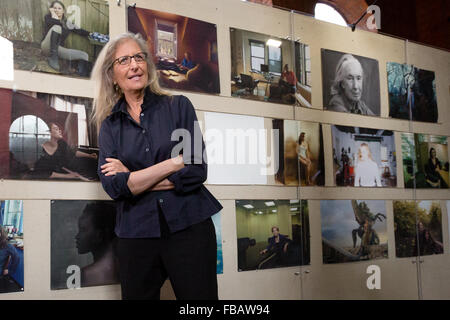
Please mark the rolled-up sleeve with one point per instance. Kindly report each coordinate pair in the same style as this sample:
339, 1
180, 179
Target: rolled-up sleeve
115, 186
192, 176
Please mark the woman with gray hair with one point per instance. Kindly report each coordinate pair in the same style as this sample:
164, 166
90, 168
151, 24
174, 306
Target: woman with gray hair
164, 211
347, 87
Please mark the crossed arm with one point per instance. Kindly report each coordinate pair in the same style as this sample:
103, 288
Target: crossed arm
152, 178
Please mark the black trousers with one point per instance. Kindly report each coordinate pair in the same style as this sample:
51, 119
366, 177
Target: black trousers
188, 258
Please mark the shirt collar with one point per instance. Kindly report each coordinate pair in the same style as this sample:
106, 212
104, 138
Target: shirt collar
121, 105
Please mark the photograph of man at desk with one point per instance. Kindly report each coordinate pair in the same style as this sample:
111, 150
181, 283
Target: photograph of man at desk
267, 68
184, 50
11, 246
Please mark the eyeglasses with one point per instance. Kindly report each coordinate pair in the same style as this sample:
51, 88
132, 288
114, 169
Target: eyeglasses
139, 57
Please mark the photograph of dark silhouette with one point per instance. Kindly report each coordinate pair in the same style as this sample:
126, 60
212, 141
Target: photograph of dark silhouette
55, 36
272, 234
82, 244
425, 161
47, 137
353, 230
11, 246
418, 228
364, 157
351, 83
184, 50
267, 68
412, 93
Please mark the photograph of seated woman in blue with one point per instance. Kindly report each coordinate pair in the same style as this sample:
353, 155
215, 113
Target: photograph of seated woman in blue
11, 246
184, 50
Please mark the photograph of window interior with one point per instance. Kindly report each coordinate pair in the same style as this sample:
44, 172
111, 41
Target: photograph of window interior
47, 137
267, 68
184, 50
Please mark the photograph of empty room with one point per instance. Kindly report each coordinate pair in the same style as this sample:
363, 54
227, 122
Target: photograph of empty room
267, 68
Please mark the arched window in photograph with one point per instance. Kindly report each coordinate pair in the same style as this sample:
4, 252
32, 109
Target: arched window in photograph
26, 136
327, 13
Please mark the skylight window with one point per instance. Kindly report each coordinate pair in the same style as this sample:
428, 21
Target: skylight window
327, 13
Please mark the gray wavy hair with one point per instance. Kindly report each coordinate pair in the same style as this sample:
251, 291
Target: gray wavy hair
106, 94
345, 60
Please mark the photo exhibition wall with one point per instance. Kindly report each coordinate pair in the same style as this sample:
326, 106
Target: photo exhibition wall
327, 148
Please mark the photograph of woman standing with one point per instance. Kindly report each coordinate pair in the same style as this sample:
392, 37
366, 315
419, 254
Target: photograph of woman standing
163, 219
367, 173
304, 158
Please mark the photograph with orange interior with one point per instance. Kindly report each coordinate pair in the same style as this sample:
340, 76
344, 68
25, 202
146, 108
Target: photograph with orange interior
184, 50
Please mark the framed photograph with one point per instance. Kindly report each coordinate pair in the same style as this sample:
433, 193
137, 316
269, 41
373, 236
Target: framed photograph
412, 93
267, 68
418, 228
236, 149
301, 154
58, 37
184, 50
364, 157
82, 244
11, 246
47, 137
351, 83
425, 161
218, 226
272, 234
353, 230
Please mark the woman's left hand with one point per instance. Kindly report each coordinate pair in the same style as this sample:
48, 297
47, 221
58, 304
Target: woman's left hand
113, 166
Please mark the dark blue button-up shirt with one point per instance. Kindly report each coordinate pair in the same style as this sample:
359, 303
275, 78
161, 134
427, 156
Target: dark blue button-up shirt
139, 146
